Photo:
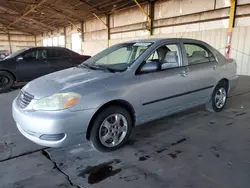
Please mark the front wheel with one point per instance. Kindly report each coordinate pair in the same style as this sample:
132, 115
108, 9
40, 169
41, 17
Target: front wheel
111, 129
218, 99
6, 81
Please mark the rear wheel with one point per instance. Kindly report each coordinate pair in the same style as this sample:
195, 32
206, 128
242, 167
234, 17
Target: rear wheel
6, 81
219, 98
111, 129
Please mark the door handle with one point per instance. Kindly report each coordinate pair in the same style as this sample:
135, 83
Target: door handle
183, 73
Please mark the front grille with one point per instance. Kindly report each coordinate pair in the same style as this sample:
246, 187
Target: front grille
24, 99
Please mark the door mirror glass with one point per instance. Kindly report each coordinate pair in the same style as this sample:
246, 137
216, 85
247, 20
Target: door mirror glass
20, 58
150, 66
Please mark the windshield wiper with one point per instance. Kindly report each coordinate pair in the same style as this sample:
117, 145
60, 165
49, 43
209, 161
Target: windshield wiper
86, 66
100, 67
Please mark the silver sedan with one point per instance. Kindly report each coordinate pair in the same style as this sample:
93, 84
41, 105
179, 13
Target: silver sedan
123, 86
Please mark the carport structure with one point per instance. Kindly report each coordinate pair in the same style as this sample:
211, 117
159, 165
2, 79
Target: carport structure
195, 149
89, 26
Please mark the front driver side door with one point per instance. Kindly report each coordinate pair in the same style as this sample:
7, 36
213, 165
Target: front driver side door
163, 92
32, 64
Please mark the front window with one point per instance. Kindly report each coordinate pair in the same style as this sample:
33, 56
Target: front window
35, 55
118, 57
167, 56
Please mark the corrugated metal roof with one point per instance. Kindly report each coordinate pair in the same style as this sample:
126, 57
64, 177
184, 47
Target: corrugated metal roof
38, 16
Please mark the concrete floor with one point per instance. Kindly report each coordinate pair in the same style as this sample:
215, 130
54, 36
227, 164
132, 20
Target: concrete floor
193, 149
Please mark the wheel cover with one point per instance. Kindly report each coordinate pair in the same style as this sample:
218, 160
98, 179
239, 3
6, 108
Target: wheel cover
113, 130
4, 81
220, 98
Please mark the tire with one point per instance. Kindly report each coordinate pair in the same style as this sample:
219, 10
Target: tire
99, 131
212, 106
6, 81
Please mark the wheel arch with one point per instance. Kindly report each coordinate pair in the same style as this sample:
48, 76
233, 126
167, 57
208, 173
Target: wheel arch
118, 102
223, 80
226, 81
14, 76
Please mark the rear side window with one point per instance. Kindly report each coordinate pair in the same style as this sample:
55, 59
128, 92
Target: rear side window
56, 53
197, 54
62, 53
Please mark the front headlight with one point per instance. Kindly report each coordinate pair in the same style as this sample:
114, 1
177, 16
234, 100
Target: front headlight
58, 101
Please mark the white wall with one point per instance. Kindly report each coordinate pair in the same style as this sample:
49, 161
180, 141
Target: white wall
18, 40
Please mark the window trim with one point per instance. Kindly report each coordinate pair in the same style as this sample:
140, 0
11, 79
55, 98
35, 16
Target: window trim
30, 51
202, 46
137, 72
69, 55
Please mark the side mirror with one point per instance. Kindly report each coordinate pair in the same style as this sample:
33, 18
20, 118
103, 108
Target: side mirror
20, 58
150, 66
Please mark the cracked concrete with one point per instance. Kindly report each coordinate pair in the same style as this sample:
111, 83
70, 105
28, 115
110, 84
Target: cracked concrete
192, 149
47, 155
32, 170
12, 143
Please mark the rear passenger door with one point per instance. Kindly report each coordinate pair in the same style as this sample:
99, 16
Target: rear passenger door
202, 66
59, 59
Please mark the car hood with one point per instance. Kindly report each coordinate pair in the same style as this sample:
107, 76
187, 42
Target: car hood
65, 80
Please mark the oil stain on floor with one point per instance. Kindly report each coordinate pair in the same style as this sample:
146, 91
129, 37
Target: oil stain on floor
100, 172
174, 155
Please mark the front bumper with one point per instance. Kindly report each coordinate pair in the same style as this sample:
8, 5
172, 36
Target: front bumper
39, 125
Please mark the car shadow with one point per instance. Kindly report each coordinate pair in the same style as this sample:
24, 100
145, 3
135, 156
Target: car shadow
150, 129
155, 127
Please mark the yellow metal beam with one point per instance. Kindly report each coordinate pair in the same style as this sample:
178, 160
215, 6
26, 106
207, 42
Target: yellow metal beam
26, 13
106, 25
35, 40
65, 37
146, 14
142, 9
233, 4
100, 20
232, 15
10, 47
78, 29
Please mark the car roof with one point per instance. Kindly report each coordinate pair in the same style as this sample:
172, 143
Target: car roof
154, 40
48, 47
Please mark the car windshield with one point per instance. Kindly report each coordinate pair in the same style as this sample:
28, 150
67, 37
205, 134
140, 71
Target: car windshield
16, 53
118, 57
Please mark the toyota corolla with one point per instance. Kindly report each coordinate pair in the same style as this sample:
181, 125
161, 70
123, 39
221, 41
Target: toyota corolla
123, 86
